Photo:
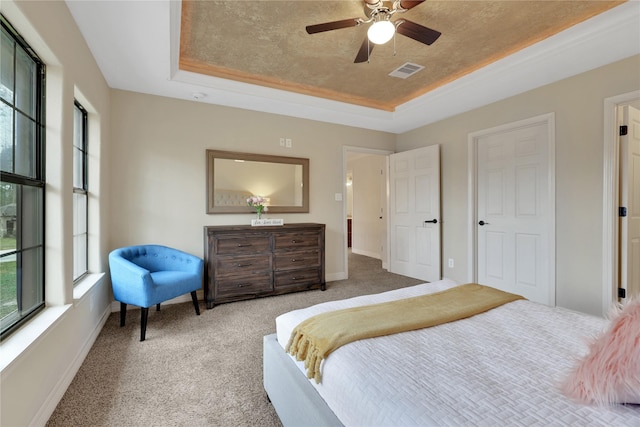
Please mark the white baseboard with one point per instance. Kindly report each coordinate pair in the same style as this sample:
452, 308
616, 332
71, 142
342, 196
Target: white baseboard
375, 255
335, 276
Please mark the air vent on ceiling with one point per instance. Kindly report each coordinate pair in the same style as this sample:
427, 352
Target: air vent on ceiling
406, 70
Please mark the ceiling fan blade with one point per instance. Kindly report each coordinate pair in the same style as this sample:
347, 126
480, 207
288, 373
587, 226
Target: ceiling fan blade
335, 25
406, 4
418, 32
364, 52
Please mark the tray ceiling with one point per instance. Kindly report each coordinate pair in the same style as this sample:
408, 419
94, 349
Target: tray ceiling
265, 43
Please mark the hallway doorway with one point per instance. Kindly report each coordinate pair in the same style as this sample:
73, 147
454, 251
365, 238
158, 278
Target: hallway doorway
365, 205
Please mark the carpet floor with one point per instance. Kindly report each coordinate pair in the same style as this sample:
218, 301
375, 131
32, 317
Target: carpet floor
195, 370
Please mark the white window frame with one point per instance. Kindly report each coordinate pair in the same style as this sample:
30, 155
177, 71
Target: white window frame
80, 193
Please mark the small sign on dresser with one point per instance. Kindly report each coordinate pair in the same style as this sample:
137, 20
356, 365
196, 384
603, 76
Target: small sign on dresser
265, 221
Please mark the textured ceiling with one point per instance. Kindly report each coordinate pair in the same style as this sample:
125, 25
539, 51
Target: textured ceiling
265, 43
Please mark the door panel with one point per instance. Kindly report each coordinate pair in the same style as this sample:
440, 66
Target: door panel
402, 244
415, 202
423, 198
495, 193
494, 265
401, 196
526, 191
424, 243
526, 259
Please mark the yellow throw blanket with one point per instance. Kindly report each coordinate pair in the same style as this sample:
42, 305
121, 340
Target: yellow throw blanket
315, 338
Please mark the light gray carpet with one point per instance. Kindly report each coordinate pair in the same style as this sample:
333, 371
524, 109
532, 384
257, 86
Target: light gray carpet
195, 370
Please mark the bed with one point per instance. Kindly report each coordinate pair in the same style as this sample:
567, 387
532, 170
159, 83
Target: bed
500, 367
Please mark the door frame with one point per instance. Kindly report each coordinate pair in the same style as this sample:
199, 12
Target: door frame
346, 149
472, 203
610, 197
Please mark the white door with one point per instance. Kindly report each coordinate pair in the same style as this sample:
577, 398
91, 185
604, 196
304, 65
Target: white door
630, 199
513, 211
414, 213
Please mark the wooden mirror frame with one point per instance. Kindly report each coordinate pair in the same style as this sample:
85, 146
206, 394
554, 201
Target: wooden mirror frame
212, 155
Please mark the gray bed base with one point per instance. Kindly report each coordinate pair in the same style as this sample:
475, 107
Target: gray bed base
295, 400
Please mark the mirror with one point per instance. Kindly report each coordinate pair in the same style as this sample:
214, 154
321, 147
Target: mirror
232, 177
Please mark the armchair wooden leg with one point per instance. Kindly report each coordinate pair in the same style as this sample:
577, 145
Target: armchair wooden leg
123, 313
144, 314
158, 307
194, 298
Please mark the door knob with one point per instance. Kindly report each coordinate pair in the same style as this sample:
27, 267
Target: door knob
433, 221
483, 223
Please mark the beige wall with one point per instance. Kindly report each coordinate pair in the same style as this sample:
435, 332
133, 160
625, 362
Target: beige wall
40, 359
578, 106
158, 168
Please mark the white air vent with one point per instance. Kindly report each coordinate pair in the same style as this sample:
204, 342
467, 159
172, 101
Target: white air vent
406, 70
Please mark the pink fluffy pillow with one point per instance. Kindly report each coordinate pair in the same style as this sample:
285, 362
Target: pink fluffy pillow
610, 373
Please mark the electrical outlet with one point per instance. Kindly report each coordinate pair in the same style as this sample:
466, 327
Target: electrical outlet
288, 142
450, 262
281, 142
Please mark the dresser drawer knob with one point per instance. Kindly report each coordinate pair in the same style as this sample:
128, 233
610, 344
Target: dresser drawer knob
243, 265
293, 260
243, 245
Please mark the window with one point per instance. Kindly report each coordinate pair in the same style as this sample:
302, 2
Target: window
80, 195
22, 180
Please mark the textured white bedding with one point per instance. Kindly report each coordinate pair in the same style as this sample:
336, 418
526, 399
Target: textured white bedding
498, 368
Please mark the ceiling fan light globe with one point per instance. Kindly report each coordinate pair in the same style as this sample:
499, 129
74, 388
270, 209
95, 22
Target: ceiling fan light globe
381, 32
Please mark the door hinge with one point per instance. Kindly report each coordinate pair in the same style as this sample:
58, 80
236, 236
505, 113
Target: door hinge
622, 211
623, 130
622, 293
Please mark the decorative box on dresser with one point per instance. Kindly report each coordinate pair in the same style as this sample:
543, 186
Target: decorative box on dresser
244, 262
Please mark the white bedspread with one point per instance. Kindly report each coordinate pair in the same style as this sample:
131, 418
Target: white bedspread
498, 368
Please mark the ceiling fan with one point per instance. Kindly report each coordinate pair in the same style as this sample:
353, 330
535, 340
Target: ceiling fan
382, 29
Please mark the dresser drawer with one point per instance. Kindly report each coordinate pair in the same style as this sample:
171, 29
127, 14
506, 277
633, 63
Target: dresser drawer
293, 241
241, 244
241, 265
302, 277
251, 284
289, 260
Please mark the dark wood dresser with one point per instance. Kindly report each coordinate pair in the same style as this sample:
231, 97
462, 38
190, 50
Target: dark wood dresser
243, 262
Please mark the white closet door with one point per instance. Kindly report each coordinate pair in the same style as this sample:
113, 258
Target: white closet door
512, 211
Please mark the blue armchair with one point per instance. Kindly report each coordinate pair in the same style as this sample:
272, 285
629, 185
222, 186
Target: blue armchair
147, 275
